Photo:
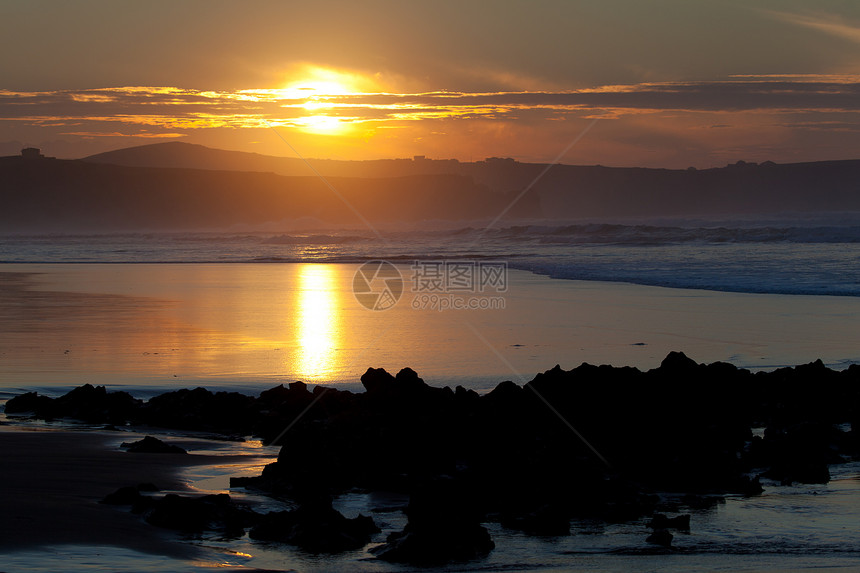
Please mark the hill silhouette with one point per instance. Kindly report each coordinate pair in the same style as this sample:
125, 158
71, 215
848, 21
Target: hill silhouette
177, 154
184, 186
571, 191
58, 195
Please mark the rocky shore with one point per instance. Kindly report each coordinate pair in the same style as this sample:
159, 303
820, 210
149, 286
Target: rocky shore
596, 442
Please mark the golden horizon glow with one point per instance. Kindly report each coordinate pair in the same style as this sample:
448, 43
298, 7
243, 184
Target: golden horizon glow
317, 81
315, 87
321, 125
318, 323
350, 115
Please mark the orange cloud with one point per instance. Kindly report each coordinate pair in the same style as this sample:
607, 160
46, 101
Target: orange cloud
118, 134
650, 123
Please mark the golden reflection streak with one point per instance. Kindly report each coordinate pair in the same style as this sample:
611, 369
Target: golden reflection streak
318, 322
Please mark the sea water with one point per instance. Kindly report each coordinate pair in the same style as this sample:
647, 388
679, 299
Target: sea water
784, 257
247, 310
252, 309
783, 529
149, 328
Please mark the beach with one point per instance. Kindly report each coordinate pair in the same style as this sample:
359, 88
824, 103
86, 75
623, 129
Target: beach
254, 326
153, 328
54, 478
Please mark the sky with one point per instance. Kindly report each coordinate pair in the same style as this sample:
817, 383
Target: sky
670, 83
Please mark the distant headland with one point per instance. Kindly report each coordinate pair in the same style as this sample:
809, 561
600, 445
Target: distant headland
185, 186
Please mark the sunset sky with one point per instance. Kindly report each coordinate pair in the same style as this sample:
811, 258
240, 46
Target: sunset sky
675, 83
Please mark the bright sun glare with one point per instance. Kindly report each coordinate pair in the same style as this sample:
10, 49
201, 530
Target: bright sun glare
318, 322
321, 124
316, 85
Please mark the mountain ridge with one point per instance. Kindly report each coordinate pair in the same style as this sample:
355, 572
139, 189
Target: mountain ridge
73, 195
575, 191
183, 154
174, 190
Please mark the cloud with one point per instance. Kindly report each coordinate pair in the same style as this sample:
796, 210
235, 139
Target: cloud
834, 26
88, 134
174, 109
830, 126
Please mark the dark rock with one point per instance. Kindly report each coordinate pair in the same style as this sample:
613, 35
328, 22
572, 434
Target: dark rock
299, 387
377, 380
444, 526
30, 402
660, 537
182, 513
321, 389
679, 522
408, 378
88, 403
196, 514
150, 445
506, 393
798, 453
745, 485
678, 362
315, 527
435, 547
273, 396
95, 404
682, 427
547, 520
466, 396
128, 495
228, 413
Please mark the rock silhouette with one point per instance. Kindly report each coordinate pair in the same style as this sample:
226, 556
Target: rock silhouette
315, 527
150, 445
444, 526
613, 439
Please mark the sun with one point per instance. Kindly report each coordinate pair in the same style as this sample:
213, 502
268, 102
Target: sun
322, 124
314, 83
311, 89
313, 92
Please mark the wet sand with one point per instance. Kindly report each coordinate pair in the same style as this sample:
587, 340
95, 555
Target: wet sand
51, 482
253, 326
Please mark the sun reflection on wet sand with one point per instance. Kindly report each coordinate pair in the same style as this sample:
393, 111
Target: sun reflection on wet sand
318, 322
253, 326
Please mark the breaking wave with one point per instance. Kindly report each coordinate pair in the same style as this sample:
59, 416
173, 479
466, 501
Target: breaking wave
772, 258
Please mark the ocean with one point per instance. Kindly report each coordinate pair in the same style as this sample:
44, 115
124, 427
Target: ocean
262, 307
779, 257
248, 309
